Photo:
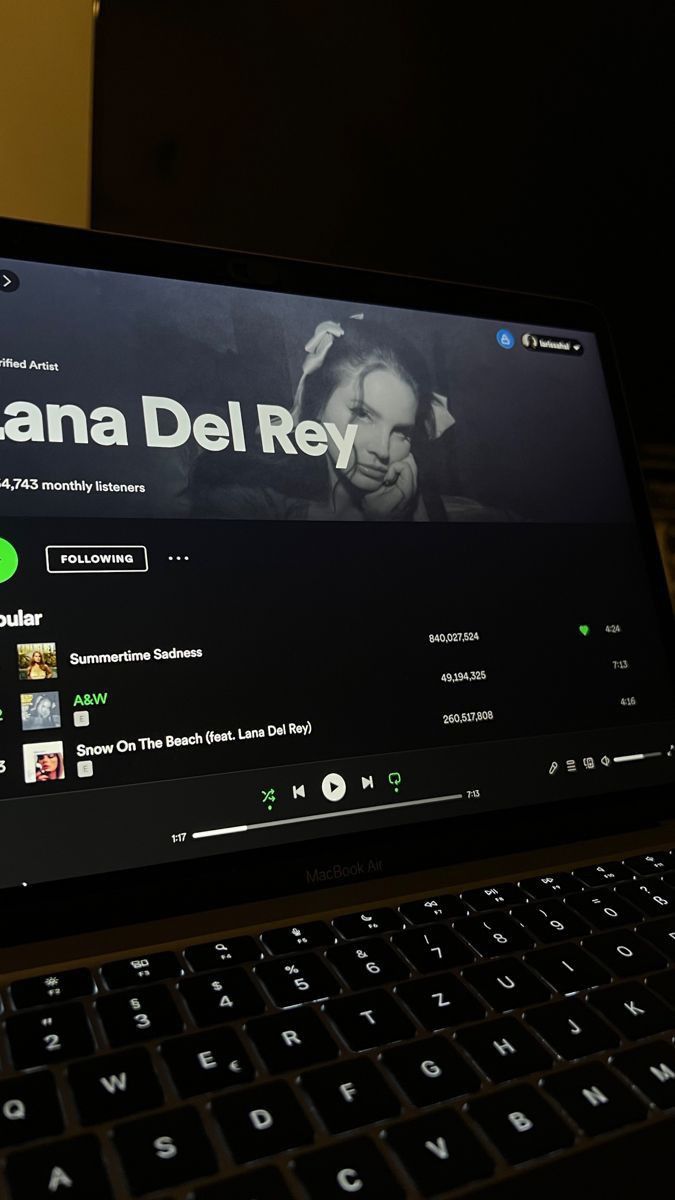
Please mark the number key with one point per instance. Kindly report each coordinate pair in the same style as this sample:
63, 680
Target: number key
297, 980
604, 908
368, 962
39, 1038
432, 947
222, 996
551, 921
136, 1016
494, 934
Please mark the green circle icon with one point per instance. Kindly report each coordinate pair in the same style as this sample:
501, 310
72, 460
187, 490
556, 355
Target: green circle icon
9, 560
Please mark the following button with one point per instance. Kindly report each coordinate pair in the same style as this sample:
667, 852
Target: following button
95, 560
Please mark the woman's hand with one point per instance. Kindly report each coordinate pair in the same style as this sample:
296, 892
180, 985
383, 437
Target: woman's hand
396, 492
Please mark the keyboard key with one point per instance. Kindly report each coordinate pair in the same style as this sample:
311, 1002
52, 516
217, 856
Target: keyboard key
661, 934
500, 895
222, 996
420, 912
572, 1028
494, 934
73, 1168
440, 1001
137, 1016
289, 1041
430, 1070
595, 1098
164, 1150
349, 1094
207, 956
361, 924
432, 947
261, 1121
616, 1164
503, 1049
664, 984
634, 1009
652, 1069
128, 972
567, 968
521, 1123
603, 873
297, 980
651, 864
651, 896
439, 1152
51, 989
39, 1038
542, 887
207, 1062
507, 984
297, 937
116, 1085
624, 953
263, 1184
551, 921
354, 1166
29, 1109
605, 909
366, 963
369, 1019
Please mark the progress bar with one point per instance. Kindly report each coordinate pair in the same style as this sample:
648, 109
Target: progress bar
345, 812
636, 757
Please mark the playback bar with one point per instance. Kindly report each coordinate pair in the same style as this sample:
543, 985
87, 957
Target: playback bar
327, 816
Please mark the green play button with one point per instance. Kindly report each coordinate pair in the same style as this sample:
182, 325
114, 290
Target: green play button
9, 560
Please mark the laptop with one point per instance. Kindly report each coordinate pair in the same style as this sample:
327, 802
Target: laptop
336, 741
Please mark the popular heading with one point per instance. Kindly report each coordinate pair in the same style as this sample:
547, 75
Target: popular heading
168, 424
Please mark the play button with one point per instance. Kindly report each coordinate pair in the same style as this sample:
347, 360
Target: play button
333, 787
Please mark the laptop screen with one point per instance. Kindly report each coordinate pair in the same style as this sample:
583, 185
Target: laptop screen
276, 567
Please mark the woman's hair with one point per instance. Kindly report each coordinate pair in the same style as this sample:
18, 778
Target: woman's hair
32, 657
362, 348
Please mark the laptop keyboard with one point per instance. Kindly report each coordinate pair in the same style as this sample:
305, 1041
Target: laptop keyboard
433, 1049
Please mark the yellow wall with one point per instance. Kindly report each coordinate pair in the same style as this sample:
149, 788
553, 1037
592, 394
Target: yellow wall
46, 60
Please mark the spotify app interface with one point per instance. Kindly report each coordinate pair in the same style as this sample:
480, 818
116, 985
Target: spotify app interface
276, 567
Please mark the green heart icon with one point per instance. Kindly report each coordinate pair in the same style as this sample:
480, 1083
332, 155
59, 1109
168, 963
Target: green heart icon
9, 560
585, 630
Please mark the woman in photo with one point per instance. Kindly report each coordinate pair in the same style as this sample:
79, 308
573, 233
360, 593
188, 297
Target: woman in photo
38, 668
358, 374
48, 767
43, 712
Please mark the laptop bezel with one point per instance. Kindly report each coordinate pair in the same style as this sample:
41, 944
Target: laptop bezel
88, 903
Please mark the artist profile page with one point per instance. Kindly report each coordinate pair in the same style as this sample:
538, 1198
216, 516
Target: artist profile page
277, 567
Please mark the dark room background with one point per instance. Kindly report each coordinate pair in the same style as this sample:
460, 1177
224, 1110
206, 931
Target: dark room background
527, 146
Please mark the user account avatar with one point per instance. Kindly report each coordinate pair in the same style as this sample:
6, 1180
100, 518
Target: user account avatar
37, 661
43, 762
40, 710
